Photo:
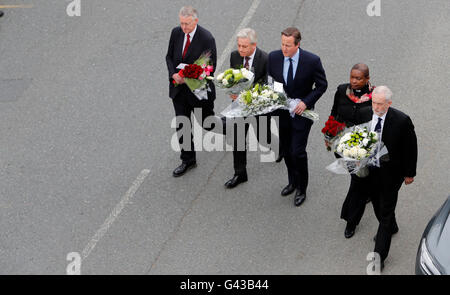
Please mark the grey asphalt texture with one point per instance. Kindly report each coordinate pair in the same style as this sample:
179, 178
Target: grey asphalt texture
84, 108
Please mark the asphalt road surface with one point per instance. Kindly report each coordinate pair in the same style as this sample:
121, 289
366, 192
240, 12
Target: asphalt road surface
85, 130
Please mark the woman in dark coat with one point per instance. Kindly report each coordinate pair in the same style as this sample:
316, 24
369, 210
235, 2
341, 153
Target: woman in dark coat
352, 106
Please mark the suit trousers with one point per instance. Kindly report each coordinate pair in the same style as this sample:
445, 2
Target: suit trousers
295, 141
240, 138
355, 201
385, 187
184, 104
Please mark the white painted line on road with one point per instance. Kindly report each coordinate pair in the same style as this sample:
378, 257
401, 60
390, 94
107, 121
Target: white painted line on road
115, 213
232, 43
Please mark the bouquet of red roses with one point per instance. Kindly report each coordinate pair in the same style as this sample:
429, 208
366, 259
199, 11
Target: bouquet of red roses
331, 130
196, 75
191, 71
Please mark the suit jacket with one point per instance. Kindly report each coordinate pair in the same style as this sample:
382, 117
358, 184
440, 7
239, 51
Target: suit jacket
259, 64
401, 141
309, 73
202, 42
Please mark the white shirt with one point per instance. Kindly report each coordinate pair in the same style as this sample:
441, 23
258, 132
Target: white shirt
375, 121
250, 62
191, 36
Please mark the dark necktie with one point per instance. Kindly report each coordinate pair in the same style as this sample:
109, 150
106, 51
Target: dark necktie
290, 74
188, 42
378, 126
246, 64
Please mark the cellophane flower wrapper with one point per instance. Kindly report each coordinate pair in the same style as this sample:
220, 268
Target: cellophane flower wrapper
332, 130
227, 80
199, 87
263, 100
357, 153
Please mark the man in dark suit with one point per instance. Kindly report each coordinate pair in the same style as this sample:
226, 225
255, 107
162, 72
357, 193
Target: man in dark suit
303, 77
396, 131
251, 57
187, 43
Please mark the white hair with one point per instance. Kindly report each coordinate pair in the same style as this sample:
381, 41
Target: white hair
385, 91
249, 34
186, 11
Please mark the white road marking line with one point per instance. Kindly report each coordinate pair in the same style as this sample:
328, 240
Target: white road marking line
115, 213
232, 43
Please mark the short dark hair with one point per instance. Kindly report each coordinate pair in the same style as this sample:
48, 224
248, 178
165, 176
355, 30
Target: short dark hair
294, 32
362, 68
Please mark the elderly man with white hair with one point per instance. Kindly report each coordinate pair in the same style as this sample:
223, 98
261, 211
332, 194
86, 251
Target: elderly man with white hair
188, 42
248, 56
396, 131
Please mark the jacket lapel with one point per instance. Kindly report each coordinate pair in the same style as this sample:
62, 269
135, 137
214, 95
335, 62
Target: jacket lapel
281, 67
256, 61
240, 60
299, 65
193, 42
179, 46
387, 124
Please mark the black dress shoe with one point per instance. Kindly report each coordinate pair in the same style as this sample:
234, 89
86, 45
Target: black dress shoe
183, 168
1, 13
349, 231
279, 159
289, 189
299, 198
237, 179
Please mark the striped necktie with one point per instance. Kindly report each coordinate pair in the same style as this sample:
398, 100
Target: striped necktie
188, 42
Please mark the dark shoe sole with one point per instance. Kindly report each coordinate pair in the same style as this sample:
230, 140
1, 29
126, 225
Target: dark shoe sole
298, 204
229, 186
187, 169
288, 193
348, 235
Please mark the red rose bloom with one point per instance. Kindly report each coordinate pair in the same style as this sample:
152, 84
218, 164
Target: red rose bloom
332, 127
192, 71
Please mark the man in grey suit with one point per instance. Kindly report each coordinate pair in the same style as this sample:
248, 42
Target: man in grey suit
249, 56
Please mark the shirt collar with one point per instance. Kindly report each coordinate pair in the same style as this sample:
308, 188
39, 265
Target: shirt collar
295, 58
191, 34
252, 57
375, 117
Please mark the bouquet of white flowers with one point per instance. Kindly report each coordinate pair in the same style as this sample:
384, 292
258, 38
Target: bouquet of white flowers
235, 80
359, 148
262, 99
